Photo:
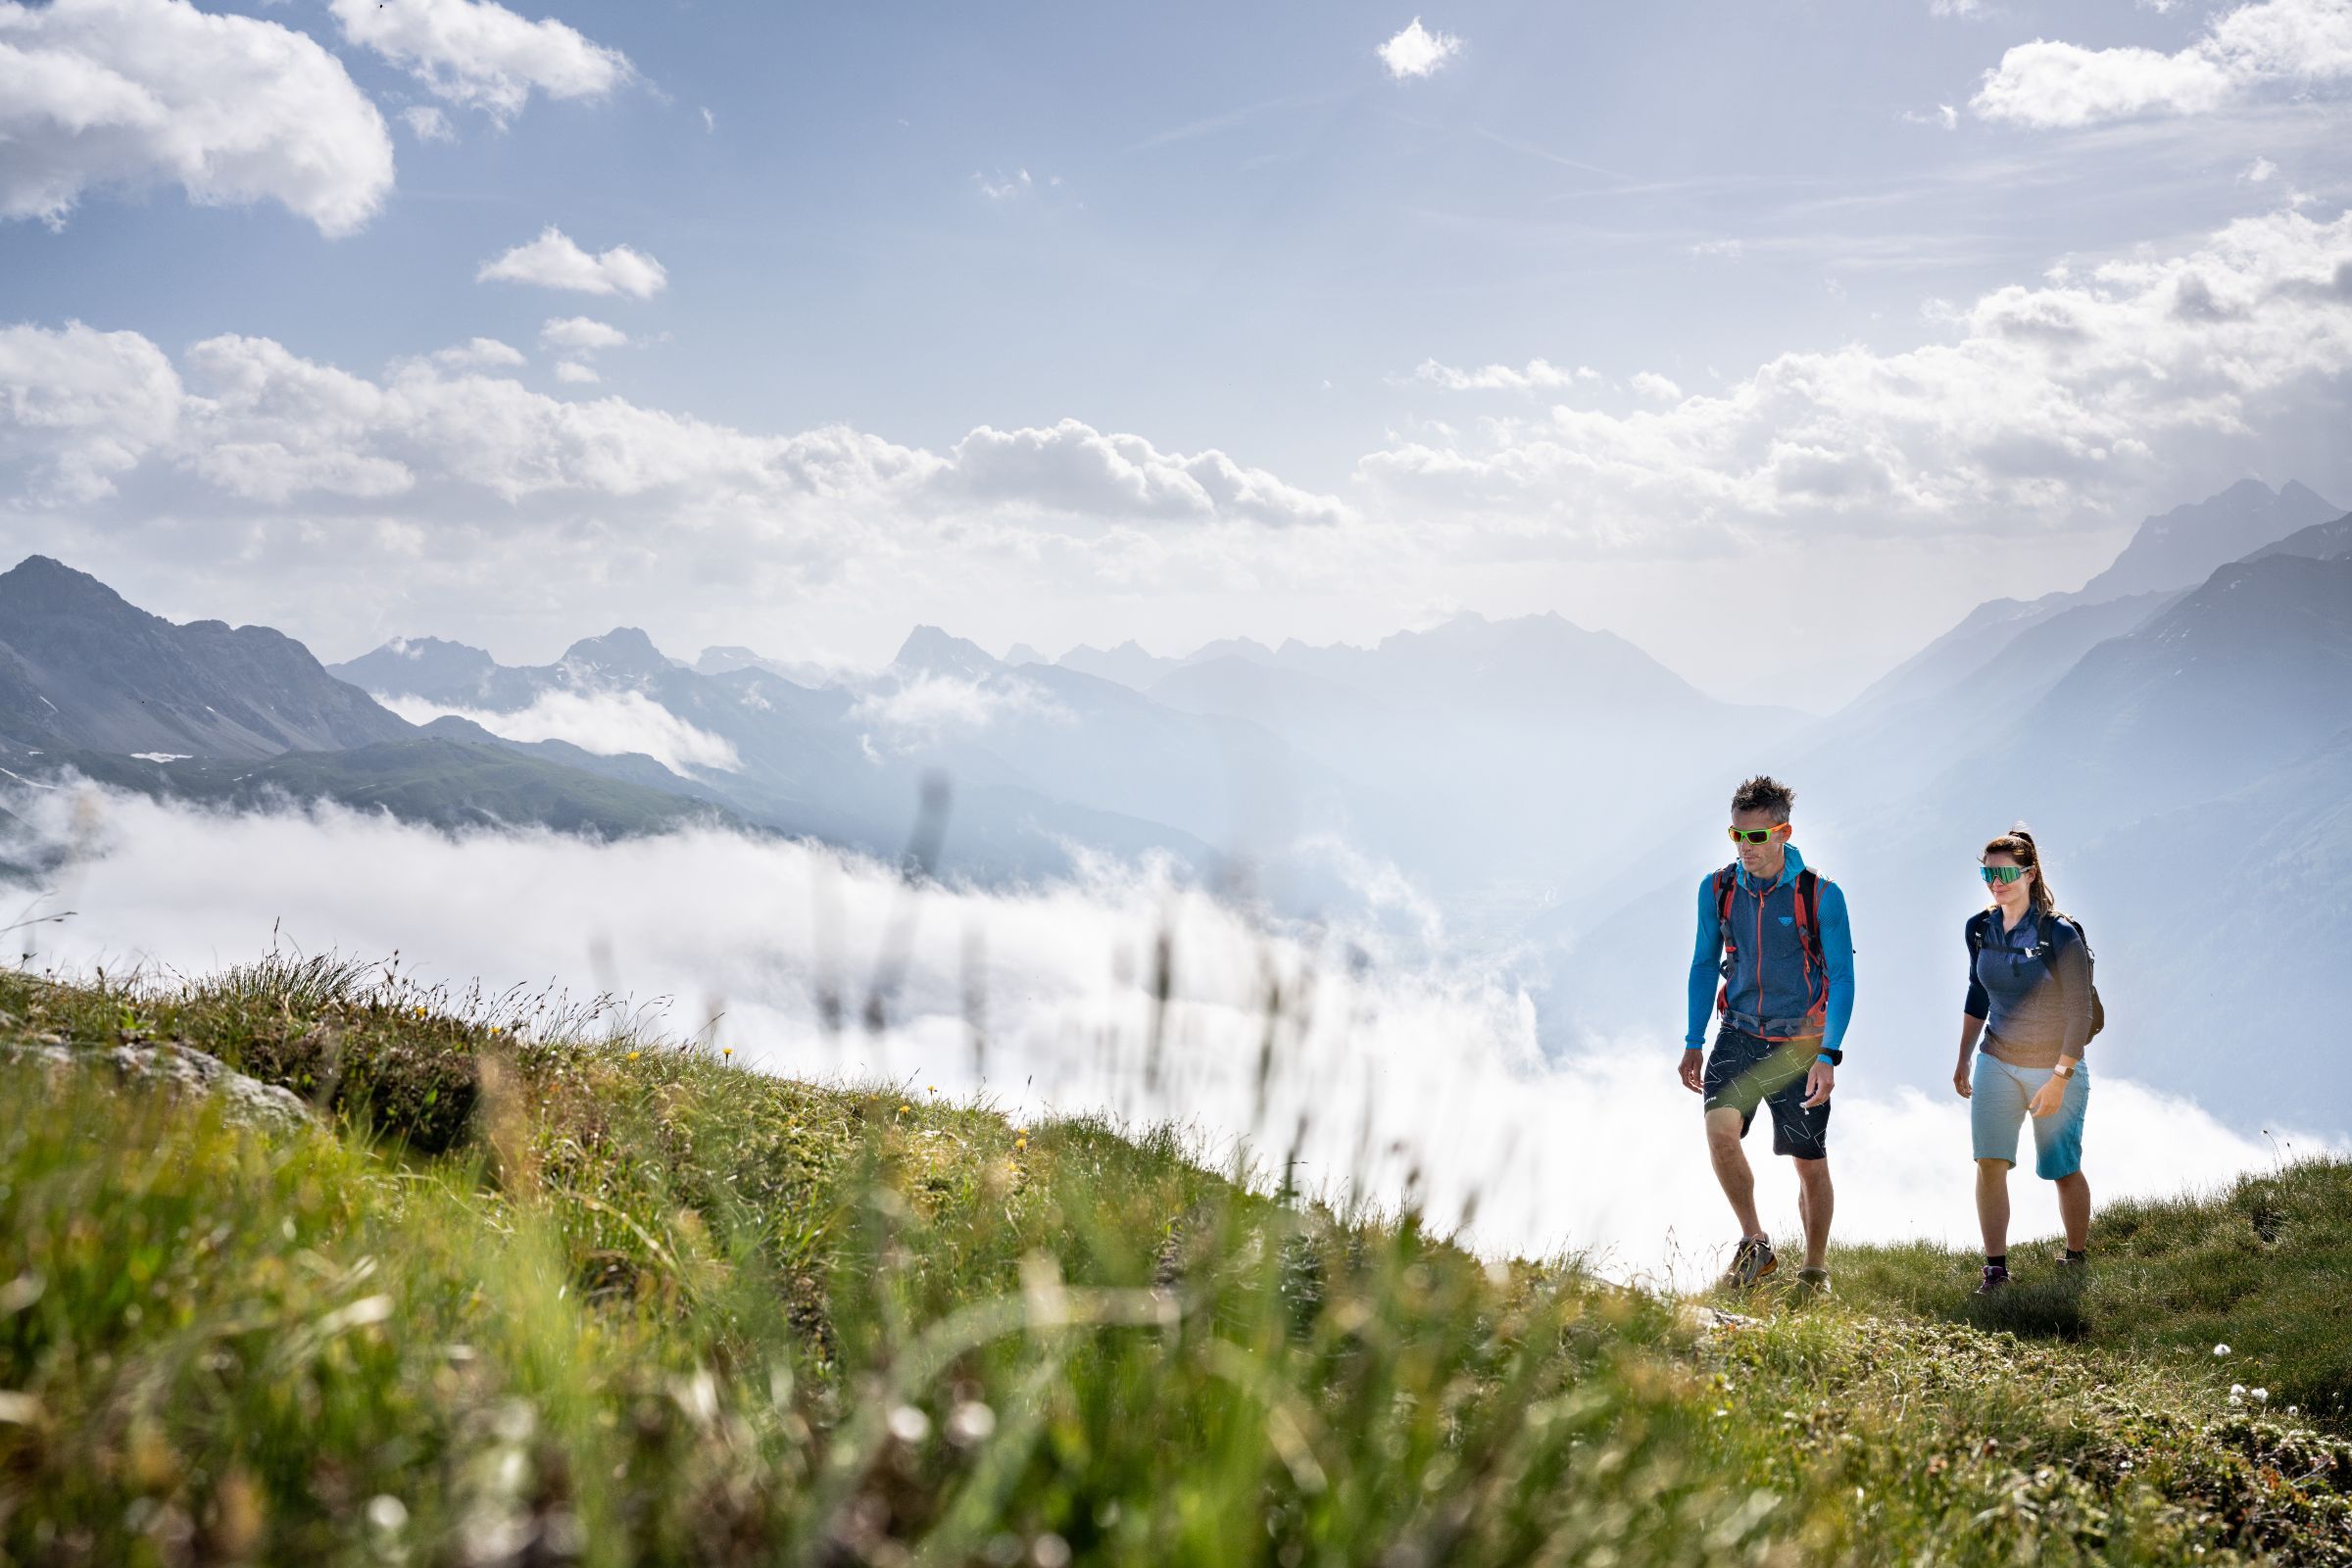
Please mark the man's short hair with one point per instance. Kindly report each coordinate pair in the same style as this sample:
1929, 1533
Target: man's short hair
1764, 793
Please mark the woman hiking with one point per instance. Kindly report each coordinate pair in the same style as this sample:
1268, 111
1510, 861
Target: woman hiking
2029, 996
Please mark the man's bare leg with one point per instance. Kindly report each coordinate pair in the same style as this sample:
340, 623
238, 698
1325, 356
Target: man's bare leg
1730, 1168
1816, 1202
1992, 1204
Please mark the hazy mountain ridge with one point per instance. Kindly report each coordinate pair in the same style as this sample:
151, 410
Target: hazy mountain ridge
87, 670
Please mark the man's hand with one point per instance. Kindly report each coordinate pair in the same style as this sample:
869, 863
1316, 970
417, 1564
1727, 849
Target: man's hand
1693, 1076
1818, 1084
2048, 1098
1960, 1080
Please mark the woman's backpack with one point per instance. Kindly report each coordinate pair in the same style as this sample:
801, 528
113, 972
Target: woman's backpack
2045, 947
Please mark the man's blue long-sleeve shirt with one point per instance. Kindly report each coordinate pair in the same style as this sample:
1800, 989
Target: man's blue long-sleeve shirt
1837, 952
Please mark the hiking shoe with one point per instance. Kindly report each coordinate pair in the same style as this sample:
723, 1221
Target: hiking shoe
1995, 1280
2066, 1260
1813, 1282
1752, 1262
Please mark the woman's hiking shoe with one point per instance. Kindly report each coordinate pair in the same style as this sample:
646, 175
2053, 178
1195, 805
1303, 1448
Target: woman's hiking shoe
1995, 1280
1752, 1262
1813, 1282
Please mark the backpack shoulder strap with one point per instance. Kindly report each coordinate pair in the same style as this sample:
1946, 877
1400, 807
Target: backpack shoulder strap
1808, 912
1979, 930
1726, 879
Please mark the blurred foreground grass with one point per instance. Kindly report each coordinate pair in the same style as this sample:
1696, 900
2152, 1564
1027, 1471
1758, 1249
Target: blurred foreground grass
515, 1295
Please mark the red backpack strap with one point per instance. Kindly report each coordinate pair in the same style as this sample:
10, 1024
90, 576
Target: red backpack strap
1808, 925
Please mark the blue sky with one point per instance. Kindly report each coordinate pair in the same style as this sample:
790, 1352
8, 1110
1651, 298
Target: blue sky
1204, 229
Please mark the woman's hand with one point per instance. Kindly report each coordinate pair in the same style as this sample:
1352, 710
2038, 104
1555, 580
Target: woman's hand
2048, 1098
1960, 1080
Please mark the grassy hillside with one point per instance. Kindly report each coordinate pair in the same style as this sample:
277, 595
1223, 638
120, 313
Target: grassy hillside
514, 1296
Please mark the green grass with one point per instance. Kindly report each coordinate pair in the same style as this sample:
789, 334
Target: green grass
525, 1296
2263, 1267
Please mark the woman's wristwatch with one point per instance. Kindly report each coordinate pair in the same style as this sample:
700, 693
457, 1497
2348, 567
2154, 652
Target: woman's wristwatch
2064, 1069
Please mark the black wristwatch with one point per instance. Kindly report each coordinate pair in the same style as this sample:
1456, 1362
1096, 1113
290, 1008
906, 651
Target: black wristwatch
1836, 1058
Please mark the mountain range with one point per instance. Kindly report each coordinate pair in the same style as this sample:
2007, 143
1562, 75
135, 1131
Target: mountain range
2197, 687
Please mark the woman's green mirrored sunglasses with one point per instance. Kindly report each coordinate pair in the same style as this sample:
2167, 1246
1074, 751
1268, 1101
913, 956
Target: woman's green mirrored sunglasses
2004, 874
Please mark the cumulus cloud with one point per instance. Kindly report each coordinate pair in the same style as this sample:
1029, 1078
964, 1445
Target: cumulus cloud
2259, 171
2271, 43
556, 261
1656, 387
233, 110
1072, 468
2037, 400
608, 723
1538, 375
1417, 51
480, 54
575, 374
242, 431
753, 930
82, 407
580, 334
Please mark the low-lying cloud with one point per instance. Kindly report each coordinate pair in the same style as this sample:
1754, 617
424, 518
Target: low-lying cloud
608, 723
1384, 1075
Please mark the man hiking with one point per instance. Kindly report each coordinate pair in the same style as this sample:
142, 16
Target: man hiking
1775, 962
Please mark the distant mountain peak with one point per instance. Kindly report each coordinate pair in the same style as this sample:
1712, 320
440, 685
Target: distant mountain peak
2181, 548
930, 650
622, 651
60, 587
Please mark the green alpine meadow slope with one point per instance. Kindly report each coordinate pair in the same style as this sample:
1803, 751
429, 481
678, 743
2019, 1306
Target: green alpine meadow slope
511, 1290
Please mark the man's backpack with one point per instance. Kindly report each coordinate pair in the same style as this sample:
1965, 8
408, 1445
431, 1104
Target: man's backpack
2046, 947
1808, 925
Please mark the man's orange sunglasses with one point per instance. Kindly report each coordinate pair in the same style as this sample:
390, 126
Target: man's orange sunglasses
1756, 835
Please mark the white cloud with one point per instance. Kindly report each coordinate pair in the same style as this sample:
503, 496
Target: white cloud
1944, 117
480, 53
1730, 250
83, 407
233, 110
2045, 84
576, 373
554, 261
1003, 188
580, 334
2042, 402
605, 723
932, 706
1955, 7
710, 122
478, 353
603, 480
2259, 171
1418, 52
1656, 387
427, 123
1074, 468
1540, 376
751, 928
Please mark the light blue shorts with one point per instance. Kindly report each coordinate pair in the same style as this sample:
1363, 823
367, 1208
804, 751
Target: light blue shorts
1997, 1100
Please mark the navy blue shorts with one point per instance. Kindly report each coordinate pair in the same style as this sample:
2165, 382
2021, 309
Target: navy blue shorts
1744, 1072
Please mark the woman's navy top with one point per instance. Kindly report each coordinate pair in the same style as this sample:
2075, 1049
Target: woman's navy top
2035, 1004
